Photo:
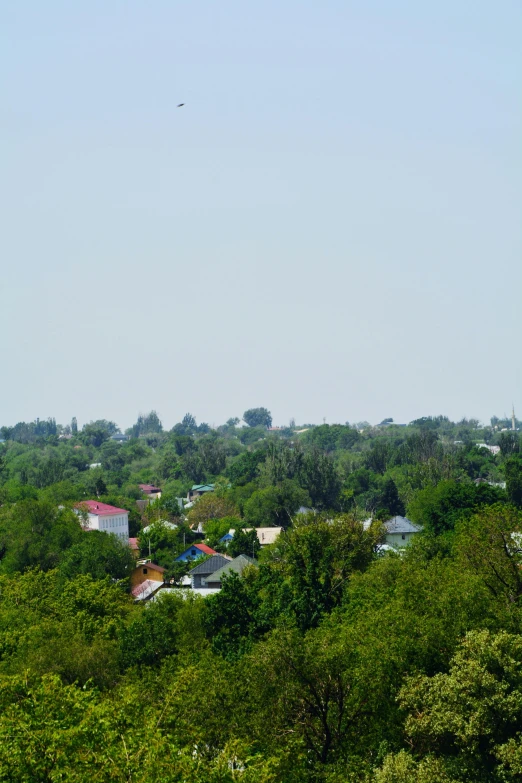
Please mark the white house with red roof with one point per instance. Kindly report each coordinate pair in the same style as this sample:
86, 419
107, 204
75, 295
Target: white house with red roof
108, 519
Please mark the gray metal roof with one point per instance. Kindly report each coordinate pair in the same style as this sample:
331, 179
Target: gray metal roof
401, 525
209, 566
238, 564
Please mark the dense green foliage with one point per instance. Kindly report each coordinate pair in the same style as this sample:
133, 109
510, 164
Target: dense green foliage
326, 661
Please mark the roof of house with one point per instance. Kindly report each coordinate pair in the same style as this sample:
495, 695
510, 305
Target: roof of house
152, 566
396, 525
202, 488
401, 525
145, 589
211, 565
237, 565
265, 535
133, 543
163, 522
149, 488
204, 548
99, 509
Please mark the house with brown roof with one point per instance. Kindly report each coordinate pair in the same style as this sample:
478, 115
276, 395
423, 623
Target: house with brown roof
146, 571
151, 491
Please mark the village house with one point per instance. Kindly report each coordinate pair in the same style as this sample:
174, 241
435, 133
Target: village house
134, 548
195, 551
152, 492
200, 573
399, 531
197, 490
100, 516
163, 522
146, 579
237, 566
265, 535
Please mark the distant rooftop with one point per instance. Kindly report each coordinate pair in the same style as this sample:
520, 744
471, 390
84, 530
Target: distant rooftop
211, 565
237, 565
99, 509
396, 525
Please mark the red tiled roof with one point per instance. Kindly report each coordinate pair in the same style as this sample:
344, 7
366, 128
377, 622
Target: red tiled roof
133, 543
100, 509
204, 548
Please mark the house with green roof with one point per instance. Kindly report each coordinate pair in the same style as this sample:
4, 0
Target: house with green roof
236, 566
197, 490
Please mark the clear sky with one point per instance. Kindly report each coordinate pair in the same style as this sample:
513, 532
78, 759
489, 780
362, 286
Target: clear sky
330, 226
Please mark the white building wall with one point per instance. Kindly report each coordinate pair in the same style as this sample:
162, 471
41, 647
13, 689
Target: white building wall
93, 522
117, 524
399, 539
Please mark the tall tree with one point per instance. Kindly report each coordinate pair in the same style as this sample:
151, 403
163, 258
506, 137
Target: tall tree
258, 417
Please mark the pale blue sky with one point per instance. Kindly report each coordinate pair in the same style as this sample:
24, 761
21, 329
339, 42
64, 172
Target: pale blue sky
330, 227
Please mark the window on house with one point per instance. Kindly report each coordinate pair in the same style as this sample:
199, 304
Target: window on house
144, 570
193, 552
404, 536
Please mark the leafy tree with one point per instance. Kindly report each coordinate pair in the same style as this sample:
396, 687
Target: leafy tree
245, 468
228, 618
315, 559
331, 437
215, 529
99, 555
317, 474
490, 543
35, 533
378, 458
245, 542
187, 426
210, 506
440, 507
513, 473
466, 723
96, 432
258, 417
94, 482
146, 425
390, 501
509, 443
275, 506
212, 456
192, 466
308, 685
164, 543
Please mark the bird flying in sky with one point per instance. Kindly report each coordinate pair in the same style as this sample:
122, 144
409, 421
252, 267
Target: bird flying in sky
179, 105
